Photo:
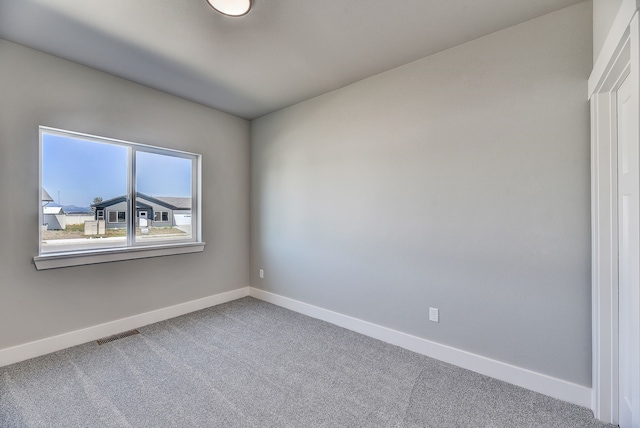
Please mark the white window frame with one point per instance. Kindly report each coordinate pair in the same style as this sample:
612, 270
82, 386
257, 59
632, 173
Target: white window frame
161, 212
134, 249
100, 214
117, 213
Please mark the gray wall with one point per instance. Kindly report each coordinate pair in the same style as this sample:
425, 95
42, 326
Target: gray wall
459, 181
38, 89
604, 13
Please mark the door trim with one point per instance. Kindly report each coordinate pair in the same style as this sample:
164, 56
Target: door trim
619, 60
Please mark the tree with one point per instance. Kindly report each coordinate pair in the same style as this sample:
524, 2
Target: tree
96, 200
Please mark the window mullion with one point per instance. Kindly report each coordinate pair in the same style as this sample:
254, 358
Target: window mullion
196, 192
131, 199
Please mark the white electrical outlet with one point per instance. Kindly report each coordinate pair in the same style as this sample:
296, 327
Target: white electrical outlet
434, 315
261, 273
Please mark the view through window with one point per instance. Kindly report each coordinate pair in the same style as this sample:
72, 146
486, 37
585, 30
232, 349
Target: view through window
100, 194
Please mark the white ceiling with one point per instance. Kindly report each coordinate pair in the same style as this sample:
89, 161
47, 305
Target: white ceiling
281, 53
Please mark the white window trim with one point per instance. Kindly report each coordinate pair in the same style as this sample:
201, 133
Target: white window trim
133, 250
117, 212
161, 212
79, 258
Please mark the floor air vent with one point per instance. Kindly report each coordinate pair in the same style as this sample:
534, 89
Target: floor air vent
117, 336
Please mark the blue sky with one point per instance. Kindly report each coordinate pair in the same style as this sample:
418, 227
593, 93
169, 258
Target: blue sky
82, 170
159, 175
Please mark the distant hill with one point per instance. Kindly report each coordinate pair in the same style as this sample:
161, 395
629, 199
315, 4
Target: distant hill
71, 209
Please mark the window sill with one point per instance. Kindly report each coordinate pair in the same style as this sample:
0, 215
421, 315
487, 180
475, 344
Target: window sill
54, 261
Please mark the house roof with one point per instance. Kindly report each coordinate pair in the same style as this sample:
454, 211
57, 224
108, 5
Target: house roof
109, 202
52, 210
73, 209
173, 203
46, 197
177, 203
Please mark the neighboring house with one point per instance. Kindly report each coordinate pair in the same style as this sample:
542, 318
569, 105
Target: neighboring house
54, 217
57, 217
46, 197
181, 209
162, 211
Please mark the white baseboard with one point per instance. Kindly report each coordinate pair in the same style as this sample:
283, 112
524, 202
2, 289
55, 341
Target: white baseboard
525, 378
553, 387
52, 344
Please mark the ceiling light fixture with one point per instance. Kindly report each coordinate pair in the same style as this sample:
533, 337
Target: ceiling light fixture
231, 7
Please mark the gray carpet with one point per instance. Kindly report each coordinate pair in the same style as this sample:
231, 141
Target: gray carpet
252, 364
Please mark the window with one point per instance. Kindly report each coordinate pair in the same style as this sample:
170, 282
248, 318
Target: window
117, 216
119, 183
161, 216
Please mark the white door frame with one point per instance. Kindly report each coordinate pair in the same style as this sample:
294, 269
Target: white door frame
619, 59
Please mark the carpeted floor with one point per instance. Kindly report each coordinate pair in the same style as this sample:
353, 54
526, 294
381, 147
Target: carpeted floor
252, 364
